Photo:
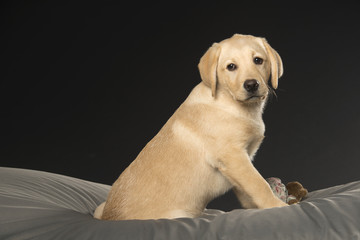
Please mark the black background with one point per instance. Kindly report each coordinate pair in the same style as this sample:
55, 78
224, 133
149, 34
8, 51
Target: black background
84, 86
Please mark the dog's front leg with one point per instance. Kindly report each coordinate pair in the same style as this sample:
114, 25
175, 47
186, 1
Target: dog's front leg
249, 186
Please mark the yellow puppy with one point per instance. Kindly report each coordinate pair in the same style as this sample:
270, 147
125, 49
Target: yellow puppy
207, 146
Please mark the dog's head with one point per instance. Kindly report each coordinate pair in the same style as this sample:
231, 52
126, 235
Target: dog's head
241, 65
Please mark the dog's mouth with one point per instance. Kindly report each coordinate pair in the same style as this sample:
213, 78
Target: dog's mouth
255, 98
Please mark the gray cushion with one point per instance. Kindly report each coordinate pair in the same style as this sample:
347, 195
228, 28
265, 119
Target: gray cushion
40, 205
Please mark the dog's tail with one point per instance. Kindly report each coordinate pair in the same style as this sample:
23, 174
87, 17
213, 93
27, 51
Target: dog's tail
99, 211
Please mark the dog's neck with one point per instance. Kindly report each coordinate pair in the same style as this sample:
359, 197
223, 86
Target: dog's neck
224, 100
252, 110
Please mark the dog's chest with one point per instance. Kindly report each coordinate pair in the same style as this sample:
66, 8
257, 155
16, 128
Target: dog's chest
252, 135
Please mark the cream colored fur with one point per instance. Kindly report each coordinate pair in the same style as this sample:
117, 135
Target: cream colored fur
207, 146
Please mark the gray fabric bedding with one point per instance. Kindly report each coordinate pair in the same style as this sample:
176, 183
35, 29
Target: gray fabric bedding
40, 205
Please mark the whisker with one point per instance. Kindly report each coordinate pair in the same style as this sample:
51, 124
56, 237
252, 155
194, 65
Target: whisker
272, 93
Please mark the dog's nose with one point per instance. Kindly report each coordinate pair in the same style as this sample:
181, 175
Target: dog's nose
251, 85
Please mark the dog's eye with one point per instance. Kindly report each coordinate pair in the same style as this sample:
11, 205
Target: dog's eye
258, 60
231, 67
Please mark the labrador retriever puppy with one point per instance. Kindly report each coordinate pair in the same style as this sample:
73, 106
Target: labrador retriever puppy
207, 146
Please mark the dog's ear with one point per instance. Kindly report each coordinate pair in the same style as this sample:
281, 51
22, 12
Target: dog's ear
276, 64
208, 65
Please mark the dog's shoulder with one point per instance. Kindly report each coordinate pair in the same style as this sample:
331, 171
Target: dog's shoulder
205, 117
